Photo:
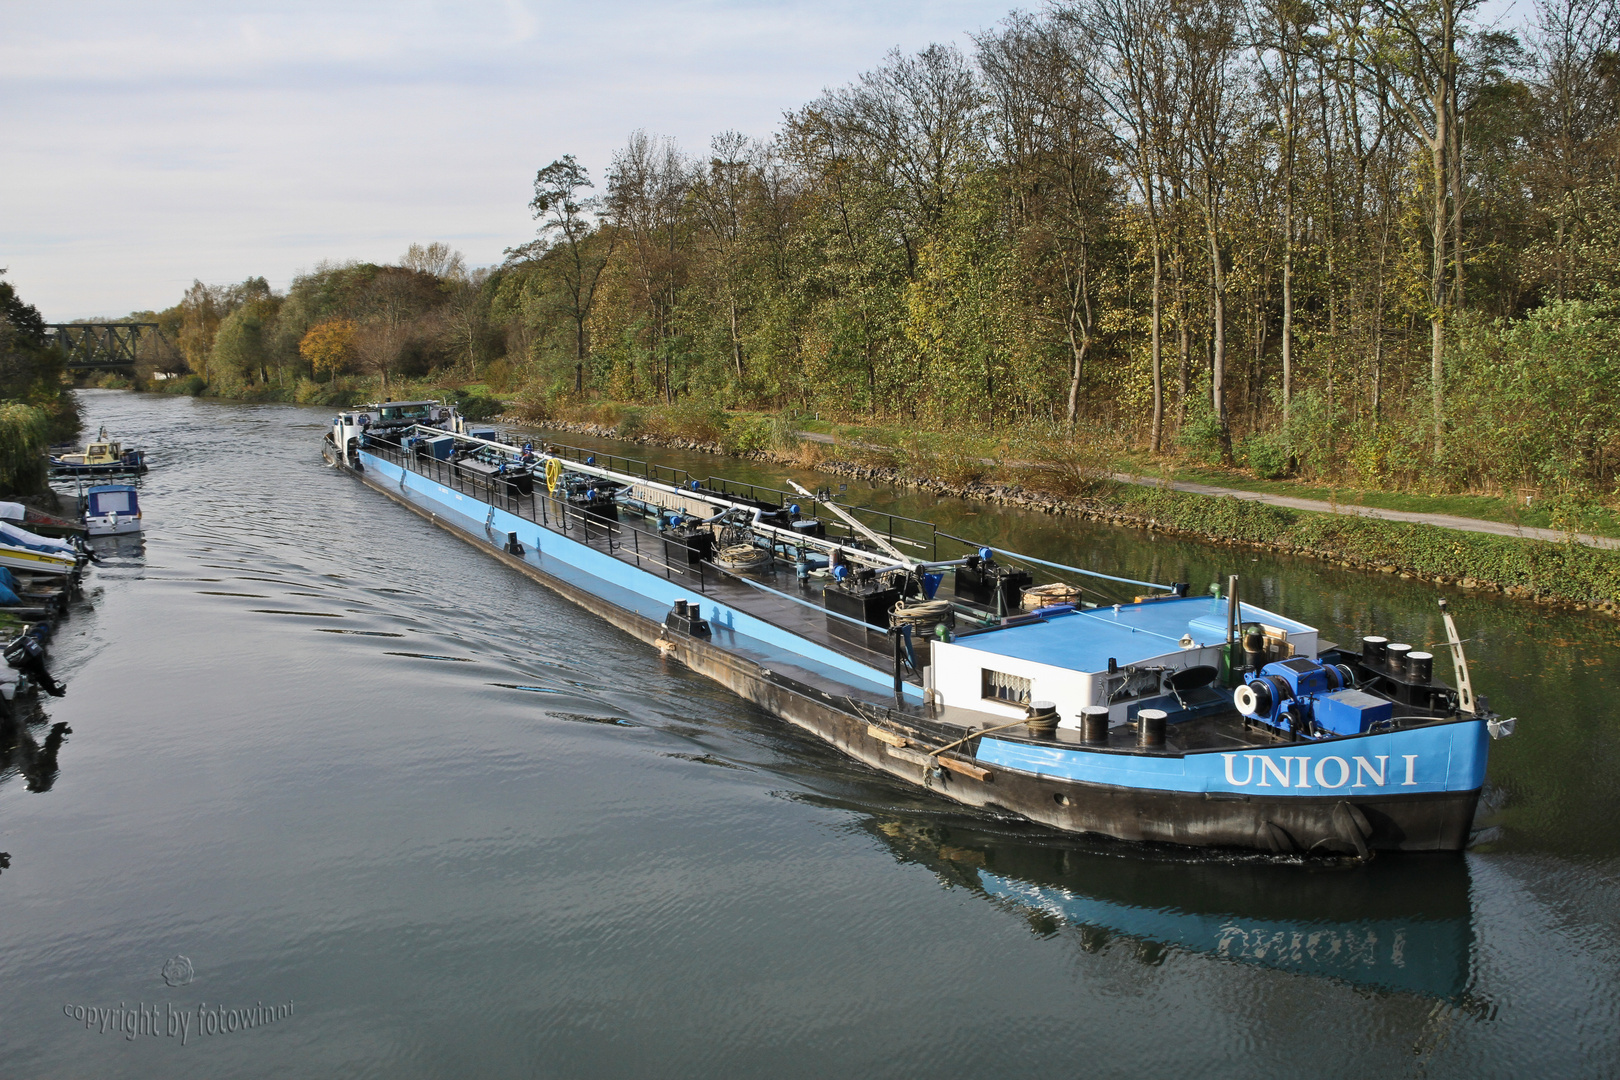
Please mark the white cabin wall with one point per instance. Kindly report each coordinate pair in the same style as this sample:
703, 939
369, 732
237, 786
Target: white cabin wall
958, 678
956, 674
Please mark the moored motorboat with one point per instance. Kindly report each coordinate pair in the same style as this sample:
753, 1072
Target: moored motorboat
112, 510
1166, 717
103, 456
39, 521
37, 561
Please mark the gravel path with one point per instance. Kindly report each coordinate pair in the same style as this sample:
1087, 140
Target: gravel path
1444, 521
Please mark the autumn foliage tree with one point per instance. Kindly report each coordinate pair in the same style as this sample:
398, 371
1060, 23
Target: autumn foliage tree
330, 346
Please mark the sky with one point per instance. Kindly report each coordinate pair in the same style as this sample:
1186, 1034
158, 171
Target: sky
143, 146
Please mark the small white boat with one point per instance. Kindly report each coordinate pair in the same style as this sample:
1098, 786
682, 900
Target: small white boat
112, 510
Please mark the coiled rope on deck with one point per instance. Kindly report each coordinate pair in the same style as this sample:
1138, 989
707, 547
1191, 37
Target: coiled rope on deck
923, 615
741, 557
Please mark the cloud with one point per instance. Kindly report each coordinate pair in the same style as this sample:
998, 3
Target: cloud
147, 145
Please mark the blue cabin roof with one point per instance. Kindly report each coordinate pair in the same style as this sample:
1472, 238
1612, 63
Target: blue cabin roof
1087, 640
98, 488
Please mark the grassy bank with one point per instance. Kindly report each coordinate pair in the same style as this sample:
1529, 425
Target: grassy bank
1060, 478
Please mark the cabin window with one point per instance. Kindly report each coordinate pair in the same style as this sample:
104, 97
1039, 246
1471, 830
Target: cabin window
113, 502
999, 686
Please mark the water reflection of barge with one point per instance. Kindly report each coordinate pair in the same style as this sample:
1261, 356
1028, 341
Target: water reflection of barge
1391, 925
1116, 719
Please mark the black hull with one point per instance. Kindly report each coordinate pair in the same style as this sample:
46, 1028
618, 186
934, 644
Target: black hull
1292, 825
97, 470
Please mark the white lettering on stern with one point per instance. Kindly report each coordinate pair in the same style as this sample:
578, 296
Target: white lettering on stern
1331, 772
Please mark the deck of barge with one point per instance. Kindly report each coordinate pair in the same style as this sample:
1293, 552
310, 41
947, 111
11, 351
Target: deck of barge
643, 549
774, 596
769, 595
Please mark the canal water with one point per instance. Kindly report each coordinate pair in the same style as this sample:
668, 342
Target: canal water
331, 793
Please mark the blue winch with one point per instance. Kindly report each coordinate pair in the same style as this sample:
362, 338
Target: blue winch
1310, 698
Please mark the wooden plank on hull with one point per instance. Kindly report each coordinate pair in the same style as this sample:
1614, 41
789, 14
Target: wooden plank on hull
889, 737
915, 757
963, 768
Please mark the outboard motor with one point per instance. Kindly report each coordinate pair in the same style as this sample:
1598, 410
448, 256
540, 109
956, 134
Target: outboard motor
1310, 699
27, 655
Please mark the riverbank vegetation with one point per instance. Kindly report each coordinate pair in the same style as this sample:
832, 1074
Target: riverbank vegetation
1078, 479
36, 405
1362, 246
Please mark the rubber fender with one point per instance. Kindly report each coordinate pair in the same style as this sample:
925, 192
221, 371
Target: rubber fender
1276, 838
1352, 826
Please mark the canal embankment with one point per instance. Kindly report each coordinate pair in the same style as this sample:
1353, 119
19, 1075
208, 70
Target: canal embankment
1571, 570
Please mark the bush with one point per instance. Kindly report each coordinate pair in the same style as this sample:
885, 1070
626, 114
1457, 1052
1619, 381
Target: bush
479, 406
190, 385
1537, 400
632, 425
1266, 456
1319, 430
23, 433
335, 393
1201, 437
747, 435
539, 402
1068, 467
693, 418
752, 434
498, 374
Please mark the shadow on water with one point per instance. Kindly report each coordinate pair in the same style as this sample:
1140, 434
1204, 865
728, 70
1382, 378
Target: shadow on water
24, 752
1396, 924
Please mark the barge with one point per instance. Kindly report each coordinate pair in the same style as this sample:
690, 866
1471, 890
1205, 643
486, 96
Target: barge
1148, 715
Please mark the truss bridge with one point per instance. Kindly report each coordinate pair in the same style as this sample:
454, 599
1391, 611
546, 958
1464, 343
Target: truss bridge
100, 346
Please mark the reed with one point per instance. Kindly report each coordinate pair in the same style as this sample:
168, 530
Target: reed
24, 435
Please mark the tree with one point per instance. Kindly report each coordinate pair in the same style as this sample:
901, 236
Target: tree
1574, 139
1279, 33
562, 214
40, 405
1206, 36
239, 344
1064, 198
647, 190
437, 259
330, 346
721, 193
1133, 79
1408, 50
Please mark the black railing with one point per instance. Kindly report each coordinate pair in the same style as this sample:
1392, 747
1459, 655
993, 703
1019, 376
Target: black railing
622, 540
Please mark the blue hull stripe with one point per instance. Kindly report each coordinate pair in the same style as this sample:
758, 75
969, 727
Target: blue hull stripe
1445, 757
637, 590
